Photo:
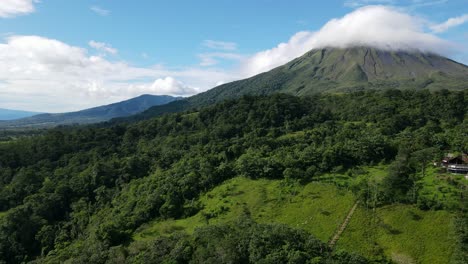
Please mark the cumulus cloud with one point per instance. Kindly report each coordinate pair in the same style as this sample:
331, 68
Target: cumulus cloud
12, 8
28, 54
220, 45
104, 47
54, 76
100, 11
451, 22
382, 27
164, 86
161, 86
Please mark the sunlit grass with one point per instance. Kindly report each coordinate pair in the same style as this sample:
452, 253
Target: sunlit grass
2, 214
401, 232
316, 207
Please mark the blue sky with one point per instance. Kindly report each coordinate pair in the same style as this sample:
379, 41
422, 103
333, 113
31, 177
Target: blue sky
67, 55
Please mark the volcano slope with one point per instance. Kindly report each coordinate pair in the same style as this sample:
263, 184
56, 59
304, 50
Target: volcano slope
335, 70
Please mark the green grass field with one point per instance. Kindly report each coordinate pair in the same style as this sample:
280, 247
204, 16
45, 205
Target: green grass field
316, 207
403, 233
443, 189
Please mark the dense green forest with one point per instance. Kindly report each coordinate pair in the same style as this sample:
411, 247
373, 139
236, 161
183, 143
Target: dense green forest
79, 194
14, 134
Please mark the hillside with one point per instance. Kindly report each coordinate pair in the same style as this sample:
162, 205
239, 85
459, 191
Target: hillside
91, 115
319, 208
345, 70
8, 114
334, 70
255, 168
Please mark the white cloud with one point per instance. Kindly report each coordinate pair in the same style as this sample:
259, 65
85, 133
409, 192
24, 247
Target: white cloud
161, 86
361, 3
223, 51
423, 3
376, 26
210, 59
164, 86
220, 45
407, 4
54, 76
451, 22
100, 11
12, 8
26, 54
101, 46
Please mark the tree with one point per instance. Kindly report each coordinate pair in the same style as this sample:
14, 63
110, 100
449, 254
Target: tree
398, 182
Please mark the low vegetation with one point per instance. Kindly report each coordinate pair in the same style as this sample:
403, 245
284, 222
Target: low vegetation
404, 233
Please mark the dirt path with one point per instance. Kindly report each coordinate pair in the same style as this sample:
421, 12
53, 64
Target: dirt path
343, 226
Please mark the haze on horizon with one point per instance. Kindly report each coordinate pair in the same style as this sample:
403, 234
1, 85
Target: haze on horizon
41, 72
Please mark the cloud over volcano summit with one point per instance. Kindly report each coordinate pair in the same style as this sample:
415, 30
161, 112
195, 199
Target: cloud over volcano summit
380, 27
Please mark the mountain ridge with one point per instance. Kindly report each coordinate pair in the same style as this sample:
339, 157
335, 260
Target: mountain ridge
10, 114
92, 115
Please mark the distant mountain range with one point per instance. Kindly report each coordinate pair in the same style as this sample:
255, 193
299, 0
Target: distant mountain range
92, 115
8, 114
334, 70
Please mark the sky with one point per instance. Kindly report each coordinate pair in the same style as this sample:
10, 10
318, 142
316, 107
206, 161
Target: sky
60, 56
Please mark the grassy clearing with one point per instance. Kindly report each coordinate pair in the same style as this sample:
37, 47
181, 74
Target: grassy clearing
402, 232
443, 189
344, 179
377, 172
316, 207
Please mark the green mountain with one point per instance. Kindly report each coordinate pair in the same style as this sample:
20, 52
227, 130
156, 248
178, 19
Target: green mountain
8, 114
345, 70
92, 115
334, 70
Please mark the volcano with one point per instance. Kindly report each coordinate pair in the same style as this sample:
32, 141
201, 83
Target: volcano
335, 70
